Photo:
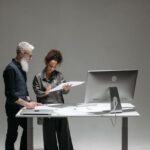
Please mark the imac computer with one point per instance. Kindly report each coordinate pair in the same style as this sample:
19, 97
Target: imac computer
115, 86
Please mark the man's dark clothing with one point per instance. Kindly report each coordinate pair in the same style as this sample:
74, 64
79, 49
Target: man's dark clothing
15, 88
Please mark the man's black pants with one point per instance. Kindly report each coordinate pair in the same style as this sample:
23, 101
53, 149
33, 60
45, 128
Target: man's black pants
12, 133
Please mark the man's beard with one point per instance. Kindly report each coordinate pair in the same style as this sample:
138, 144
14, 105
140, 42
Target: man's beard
24, 64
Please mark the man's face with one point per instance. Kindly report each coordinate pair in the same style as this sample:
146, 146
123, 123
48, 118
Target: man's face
26, 57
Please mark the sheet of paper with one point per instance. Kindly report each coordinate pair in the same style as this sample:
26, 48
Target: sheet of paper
71, 83
93, 107
68, 111
100, 107
44, 107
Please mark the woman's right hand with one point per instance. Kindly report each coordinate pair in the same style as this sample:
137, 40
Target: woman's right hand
47, 90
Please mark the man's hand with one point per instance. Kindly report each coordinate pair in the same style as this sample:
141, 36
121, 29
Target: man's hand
31, 105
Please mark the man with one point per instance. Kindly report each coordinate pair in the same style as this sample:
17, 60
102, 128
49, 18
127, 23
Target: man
17, 95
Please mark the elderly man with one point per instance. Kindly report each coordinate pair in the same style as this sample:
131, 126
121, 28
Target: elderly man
17, 95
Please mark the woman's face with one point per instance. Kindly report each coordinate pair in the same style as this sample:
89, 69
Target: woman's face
51, 66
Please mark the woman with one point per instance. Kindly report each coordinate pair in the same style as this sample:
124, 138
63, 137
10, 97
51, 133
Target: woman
55, 130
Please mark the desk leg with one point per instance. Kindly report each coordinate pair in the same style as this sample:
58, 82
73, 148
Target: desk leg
125, 133
29, 133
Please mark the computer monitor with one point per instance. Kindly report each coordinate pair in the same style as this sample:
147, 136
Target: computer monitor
110, 85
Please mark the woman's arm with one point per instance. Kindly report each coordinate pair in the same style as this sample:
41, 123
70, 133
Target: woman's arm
66, 88
37, 87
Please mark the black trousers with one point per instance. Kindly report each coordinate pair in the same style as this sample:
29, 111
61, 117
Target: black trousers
12, 133
56, 134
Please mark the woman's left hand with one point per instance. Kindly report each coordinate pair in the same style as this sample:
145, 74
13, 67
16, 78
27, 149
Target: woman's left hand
67, 87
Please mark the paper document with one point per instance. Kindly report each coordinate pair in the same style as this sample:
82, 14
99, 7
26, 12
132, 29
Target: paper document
71, 83
69, 111
44, 107
93, 107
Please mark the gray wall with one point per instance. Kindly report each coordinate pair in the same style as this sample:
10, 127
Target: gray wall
92, 34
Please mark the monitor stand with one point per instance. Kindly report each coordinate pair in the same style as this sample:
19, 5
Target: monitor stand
115, 100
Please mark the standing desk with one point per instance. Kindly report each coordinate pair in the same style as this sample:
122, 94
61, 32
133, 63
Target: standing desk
91, 110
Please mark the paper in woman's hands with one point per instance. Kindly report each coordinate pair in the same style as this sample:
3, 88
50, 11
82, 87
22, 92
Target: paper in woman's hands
71, 83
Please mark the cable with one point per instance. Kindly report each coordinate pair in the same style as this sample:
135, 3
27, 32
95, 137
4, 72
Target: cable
115, 103
113, 122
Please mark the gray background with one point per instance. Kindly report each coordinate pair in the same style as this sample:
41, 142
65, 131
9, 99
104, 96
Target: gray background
92, 34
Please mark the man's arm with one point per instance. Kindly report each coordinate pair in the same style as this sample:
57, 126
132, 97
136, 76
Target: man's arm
27, 104
9, 80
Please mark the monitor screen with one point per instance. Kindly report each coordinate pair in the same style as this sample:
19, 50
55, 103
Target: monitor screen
99, 83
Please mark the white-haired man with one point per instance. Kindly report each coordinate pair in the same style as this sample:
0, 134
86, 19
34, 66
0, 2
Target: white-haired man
17, 95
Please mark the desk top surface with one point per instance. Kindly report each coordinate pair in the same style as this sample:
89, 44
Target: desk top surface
81, 110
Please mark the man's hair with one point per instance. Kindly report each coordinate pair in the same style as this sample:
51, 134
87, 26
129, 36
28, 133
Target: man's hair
54, 55
24, 46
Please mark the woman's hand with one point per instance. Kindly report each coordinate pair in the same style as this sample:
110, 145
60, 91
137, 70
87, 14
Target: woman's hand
47, 90
67, 87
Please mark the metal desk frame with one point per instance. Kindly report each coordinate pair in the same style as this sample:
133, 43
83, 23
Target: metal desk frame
123, 115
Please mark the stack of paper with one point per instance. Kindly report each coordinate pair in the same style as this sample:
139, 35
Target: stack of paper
71, 83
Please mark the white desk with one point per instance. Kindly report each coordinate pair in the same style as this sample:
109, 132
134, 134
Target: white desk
91, 110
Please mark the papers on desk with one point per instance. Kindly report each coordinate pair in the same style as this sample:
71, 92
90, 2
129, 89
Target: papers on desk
94, 107
100, 107
61, 110
81, 110
89, 109
69, 111
71, 83
44, 107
